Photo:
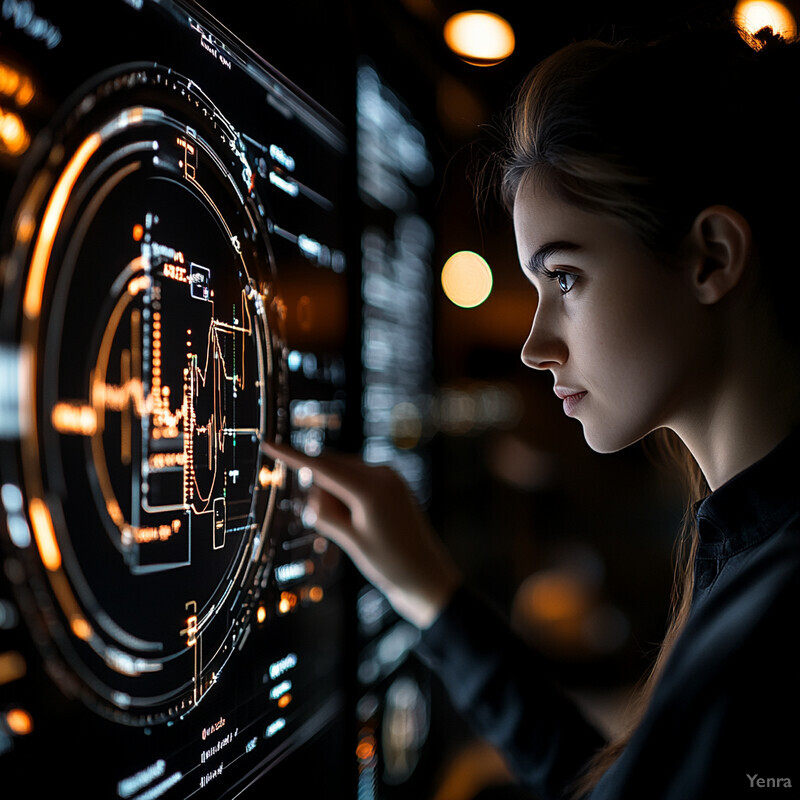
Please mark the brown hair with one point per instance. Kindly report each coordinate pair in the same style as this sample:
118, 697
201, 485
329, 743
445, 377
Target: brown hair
652, 134
669, 449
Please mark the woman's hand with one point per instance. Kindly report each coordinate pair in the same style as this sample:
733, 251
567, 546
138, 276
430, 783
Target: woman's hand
371, 514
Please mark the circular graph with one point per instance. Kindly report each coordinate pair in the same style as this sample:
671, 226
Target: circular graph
149, 328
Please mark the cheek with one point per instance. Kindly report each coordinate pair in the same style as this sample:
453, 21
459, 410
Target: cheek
633, 357
641, 321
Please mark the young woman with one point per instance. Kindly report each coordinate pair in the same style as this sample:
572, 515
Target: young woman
653, 190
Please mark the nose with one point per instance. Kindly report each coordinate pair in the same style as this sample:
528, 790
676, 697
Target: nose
544, 348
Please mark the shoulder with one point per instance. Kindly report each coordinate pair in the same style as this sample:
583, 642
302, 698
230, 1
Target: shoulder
719, 711
743, 622
732, 674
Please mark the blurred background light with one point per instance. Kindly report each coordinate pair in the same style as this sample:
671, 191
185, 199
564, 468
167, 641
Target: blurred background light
406, 422
753, 15
16, 85
479, 37
14, 138
466, 279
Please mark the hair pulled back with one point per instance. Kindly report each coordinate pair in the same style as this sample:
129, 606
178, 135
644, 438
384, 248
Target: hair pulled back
653, 133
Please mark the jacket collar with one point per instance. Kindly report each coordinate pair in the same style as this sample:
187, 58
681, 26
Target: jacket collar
753, 504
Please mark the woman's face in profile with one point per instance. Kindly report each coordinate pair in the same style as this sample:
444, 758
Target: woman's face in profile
618, 328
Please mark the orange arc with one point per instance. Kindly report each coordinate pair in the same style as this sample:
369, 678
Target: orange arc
50, 223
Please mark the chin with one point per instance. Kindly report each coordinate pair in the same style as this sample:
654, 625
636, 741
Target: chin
607, 439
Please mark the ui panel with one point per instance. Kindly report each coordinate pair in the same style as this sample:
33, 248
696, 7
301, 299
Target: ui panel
396, 708
175, 280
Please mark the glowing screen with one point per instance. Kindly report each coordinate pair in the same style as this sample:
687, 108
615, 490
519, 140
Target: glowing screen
168, 625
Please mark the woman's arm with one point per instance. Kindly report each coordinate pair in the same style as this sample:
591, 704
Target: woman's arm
494, 680
371, 514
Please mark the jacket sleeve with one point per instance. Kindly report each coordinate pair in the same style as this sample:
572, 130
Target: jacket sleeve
498, 684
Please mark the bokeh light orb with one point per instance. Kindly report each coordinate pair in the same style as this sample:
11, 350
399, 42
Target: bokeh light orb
467, 279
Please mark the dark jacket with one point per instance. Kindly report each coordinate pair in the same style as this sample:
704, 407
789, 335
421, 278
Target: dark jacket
723, 719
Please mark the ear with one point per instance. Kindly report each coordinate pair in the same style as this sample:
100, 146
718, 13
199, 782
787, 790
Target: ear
721, 244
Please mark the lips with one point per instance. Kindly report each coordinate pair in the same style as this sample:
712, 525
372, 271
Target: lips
563, 392
570, 398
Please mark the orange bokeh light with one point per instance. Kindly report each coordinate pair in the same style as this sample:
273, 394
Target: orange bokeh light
19, 721
480, 38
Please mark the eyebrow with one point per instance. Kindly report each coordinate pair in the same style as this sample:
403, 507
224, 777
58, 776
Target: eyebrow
536, 263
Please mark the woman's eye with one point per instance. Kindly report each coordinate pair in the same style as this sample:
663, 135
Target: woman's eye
565, 280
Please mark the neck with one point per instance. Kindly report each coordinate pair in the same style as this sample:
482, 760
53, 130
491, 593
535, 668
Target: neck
749, 408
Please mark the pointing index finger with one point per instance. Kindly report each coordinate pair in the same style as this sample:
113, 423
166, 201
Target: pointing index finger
342, 475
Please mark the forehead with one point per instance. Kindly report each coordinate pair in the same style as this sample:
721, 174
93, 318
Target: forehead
541, 217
